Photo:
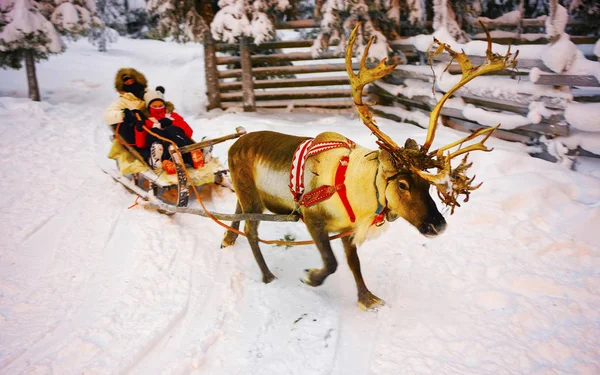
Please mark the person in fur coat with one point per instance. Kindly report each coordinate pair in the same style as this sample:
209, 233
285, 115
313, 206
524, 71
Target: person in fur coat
127, 108
165, 122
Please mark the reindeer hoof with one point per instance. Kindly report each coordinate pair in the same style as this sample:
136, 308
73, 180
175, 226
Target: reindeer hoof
368, 301
226, 243
309, 279
268, 278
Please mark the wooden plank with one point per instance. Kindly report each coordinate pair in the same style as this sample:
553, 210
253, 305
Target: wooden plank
547, 126
297, 24
526, 22
306, 43
220, 216
523, 41
470, 127
455, 69
286, 70
341, 103
279, 57
269, 45
566, 80
522, 63
290, 82
239, 131
247, 95
290, 94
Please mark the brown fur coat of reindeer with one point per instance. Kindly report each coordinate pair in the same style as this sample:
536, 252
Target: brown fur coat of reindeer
390, 181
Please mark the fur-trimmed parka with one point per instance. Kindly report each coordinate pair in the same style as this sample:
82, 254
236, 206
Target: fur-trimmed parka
114, 113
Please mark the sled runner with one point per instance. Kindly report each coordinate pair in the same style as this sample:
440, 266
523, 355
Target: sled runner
138, 177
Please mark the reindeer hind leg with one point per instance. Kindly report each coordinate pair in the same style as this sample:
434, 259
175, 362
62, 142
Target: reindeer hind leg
231, 236
314, 276
250, 203
252, 233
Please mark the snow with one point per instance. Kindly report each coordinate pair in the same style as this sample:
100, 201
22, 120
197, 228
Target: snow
583, 116
25, 20
410, 88
538, 111
489, 118
560, 56
90, 286
556, 26
415, 116
511, 17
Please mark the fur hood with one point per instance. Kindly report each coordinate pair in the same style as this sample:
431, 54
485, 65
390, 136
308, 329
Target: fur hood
139, 77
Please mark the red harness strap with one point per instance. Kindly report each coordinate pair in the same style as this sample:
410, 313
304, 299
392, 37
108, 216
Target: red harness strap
326, 191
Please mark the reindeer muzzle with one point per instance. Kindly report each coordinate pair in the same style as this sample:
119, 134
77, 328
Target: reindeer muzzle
434, 227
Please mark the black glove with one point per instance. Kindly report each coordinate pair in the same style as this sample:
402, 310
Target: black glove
164, 122
128, 116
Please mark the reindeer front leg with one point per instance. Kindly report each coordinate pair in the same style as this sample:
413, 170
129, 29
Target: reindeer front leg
313, 276
366, 299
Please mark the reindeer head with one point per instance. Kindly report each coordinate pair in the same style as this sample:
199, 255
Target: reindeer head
405, 168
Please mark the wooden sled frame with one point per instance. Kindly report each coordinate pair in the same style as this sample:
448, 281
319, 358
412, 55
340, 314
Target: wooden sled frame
182, 180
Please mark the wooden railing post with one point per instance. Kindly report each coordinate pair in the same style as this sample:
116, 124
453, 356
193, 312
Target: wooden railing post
247, 80
211, 73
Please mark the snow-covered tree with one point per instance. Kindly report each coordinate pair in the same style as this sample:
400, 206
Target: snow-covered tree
179, 19
379, 18
245, 18
30, 31
114, 22
445, 17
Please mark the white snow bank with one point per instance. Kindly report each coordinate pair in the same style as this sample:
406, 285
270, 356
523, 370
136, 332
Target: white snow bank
473, 48
561, 55
500, 87
538, 111
597, 48
589, 141
583, 116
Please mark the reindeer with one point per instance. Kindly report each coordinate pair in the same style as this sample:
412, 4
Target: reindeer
352, 188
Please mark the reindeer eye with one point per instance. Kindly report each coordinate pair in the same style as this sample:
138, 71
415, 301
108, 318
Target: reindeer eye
402, 185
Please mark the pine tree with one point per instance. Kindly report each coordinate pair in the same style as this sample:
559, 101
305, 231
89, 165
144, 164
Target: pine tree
445, 17
30, 31
113, 22
379, 18
246, 19
179, 19
26, 35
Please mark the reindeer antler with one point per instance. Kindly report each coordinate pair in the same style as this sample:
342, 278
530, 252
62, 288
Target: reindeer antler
450, 183
358, 82
453, 183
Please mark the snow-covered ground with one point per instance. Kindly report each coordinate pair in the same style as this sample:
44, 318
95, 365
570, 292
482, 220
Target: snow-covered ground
88, 286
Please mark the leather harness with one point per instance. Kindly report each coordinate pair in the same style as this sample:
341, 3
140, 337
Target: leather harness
309, 148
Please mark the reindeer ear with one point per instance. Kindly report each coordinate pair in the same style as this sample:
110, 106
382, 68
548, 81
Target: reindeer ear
411, 144
388, 163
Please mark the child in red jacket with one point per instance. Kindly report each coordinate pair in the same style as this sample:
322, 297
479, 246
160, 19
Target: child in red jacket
163, 121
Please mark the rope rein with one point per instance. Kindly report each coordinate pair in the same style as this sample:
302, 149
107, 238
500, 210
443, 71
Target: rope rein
268, 242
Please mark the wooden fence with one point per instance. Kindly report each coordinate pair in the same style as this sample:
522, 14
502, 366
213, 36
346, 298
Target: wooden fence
322, 82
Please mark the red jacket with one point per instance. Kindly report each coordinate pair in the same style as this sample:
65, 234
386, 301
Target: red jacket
140, 136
